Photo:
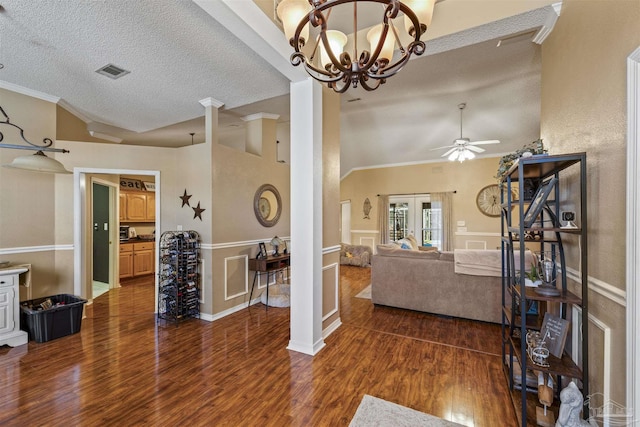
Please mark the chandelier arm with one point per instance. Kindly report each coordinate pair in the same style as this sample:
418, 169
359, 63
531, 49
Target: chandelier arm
47, 142
394, 68
365, 84
322, 75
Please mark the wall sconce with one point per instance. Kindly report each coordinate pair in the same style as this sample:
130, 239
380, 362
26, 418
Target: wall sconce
38, 162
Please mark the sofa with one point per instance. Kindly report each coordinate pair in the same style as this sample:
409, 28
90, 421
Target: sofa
358, 255
428, 282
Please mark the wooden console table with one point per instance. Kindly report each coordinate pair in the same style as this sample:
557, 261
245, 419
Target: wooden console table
269, 265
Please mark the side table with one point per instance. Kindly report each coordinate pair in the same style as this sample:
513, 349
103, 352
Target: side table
270, 265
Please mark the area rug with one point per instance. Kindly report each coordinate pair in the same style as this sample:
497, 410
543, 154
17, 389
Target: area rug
365, 293
378, 412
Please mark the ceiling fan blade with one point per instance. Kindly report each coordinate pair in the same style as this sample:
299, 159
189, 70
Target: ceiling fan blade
440, 148
449, 152
474, 148
489, 141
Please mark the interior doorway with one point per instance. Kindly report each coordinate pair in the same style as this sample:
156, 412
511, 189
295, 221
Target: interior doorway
83, 226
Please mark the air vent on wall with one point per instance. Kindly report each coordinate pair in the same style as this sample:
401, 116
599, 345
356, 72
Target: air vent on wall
112, 71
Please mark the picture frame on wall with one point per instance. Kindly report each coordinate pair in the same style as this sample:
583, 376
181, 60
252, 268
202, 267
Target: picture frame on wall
538, 201
262, 251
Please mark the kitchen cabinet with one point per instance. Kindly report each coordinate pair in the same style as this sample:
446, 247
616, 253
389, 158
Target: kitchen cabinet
143, 259
123, 206
151, 207
126, 260
136, 259
10, 333
137, 206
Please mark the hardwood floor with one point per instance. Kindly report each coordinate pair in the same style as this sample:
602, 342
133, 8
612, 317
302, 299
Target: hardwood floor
124, 368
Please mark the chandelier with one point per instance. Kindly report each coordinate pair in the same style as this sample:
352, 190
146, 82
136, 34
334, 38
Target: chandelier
328, 62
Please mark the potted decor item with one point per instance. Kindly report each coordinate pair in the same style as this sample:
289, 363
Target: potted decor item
532, 279
528, 150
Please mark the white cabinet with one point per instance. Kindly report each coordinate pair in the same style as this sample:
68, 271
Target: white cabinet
10, 333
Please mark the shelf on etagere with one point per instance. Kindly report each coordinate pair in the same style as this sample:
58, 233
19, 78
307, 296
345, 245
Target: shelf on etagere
563, 366
533, 321
547, 229
565, 296
542, 166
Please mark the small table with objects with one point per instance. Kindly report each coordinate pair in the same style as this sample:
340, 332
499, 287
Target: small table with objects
271, 265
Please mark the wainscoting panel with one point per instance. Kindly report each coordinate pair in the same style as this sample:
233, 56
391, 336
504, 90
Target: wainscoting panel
236, 282
599, 349
330, 290
368, 241
475, 244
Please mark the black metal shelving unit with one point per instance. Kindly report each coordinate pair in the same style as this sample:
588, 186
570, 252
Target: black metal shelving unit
516, 297
179, 277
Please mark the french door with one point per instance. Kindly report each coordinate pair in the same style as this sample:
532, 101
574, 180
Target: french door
415, 215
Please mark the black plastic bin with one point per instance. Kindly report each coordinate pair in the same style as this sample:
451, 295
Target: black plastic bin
58, 321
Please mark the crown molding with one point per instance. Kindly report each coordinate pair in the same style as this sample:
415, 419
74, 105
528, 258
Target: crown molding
549, 23
29, 92
64, 104
211, 102
257, 116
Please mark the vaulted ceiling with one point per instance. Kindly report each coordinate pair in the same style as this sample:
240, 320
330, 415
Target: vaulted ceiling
180, 52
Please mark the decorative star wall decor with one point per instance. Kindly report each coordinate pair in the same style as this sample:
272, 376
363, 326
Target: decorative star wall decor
185, 198
197, 212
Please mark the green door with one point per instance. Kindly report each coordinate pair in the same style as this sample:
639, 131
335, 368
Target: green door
100, 233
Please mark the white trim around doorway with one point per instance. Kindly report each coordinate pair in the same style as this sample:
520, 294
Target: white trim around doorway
633, 241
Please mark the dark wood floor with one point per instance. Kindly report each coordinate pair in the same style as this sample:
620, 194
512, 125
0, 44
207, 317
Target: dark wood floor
124, 368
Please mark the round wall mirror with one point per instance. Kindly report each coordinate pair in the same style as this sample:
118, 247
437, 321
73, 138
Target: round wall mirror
267, 205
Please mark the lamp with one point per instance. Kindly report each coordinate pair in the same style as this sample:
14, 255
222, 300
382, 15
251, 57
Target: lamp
338, 68
276, 242
38, 162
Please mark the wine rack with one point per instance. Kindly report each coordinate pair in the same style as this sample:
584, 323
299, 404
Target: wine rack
179, 277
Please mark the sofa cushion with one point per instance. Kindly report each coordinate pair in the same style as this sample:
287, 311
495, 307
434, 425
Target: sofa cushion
395, 251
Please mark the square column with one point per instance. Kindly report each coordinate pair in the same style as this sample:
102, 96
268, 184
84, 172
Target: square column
306, 217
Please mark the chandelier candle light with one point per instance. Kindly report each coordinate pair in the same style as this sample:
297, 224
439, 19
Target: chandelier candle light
337, 67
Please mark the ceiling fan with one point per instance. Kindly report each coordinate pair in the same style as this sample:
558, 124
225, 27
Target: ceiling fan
462, 148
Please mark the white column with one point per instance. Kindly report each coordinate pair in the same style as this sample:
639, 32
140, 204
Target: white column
306, 217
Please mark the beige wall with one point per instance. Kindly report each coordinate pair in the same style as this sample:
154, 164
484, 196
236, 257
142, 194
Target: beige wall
583, 109
330, 206
27, 199
237, 175
466, 178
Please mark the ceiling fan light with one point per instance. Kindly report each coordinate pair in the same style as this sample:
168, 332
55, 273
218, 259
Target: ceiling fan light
453, 156
469, 155
423, 10
37, 162
337, 40
373, 36
291, 13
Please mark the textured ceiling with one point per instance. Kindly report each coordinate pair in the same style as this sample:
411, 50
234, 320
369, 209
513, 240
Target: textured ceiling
180, 52
176, 52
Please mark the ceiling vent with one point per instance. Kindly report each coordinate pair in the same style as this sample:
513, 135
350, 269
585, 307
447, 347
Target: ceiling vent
112, 71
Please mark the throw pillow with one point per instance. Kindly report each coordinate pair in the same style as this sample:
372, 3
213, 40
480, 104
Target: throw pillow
405, 246
412, 241
349, 255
